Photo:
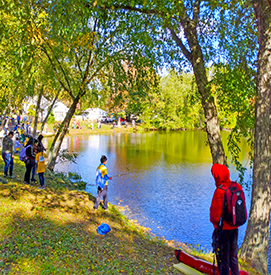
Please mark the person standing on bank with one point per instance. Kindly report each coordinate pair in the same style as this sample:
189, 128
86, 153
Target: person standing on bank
40, 159
40, 146
229, 236
30, 162
100, 191
7, 154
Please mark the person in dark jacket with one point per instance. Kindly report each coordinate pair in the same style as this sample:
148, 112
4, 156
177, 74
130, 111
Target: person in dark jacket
229, 247
7, 154
34, 168
30, 162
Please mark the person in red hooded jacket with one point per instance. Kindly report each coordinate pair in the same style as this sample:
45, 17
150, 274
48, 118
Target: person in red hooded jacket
229, 247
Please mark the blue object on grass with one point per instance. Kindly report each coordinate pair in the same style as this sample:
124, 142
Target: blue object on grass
103, 229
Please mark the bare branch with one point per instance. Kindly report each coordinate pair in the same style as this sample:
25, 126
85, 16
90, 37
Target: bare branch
78, 64
179, 42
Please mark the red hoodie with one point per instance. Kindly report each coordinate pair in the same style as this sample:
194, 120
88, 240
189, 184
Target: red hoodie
221, 175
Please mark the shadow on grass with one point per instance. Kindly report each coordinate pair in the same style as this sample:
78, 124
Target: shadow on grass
46, 245
53, 231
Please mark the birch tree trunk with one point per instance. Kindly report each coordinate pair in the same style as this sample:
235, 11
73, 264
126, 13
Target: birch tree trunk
49, 112
4, 116
256, 242
207, 100
55, 147
37, 113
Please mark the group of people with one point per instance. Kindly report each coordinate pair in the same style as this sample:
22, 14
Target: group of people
34, 156
16, 123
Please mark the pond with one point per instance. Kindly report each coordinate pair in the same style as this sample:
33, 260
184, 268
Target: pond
162, 179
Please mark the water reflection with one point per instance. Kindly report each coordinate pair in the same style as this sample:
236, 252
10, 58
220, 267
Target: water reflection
164, 179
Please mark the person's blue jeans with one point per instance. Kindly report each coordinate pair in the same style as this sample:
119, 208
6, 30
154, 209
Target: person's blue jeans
41, 178
34, 169
8, 163
101, 193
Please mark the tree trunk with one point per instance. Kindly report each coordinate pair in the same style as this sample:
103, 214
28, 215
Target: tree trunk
207, 100
37, 113
49, 111
5, 114
256, 242
55, 147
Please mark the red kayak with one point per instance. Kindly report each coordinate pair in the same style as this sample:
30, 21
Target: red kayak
200, 265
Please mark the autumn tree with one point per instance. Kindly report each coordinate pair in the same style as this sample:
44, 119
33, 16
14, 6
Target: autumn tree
82, 55
175, 105
181, 31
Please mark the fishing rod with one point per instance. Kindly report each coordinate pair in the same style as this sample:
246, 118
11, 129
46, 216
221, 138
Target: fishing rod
123, 174
117, 175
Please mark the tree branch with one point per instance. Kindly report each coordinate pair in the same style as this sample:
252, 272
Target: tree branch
78, 64
94, 75
179, 42
196, 10
89, 62
140, 10
61, 68
56, 72
46, 52
130, 8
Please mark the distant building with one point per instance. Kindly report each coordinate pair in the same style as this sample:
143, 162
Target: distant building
94, 113
60, 110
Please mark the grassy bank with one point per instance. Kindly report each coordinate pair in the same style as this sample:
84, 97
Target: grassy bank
53, 231
105, 128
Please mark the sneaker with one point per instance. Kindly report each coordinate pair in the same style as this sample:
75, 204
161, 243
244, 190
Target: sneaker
26, 183
34, 181
95, 209
5, 176
106, 209
42, 187
12, 177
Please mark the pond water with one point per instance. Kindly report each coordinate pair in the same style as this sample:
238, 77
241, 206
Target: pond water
163, 179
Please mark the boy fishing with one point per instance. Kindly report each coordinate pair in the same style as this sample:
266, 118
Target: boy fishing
102, 188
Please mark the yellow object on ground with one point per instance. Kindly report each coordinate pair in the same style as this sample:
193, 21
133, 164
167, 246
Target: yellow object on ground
187, 269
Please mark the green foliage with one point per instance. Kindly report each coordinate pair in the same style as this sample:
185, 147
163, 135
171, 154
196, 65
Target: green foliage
31, 110
51, 118
108, 53
236, 96
177, 105
74, 175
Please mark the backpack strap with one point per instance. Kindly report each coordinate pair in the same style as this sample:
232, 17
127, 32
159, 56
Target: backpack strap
221, 187
224, 188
